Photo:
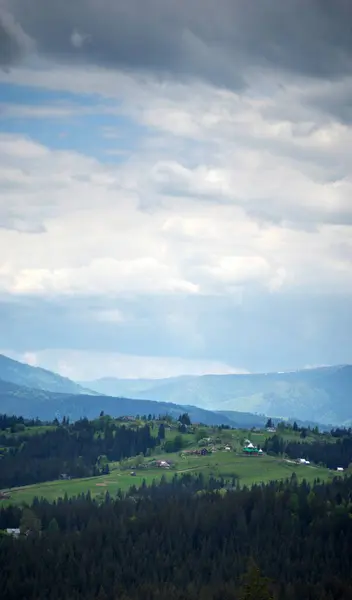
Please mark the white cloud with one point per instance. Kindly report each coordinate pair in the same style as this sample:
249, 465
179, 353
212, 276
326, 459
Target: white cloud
56, 110
206, 192
102, 276
78, 39
225, 193
72, 225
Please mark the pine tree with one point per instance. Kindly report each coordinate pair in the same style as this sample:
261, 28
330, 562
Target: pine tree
161, 432
53, 525
254, 586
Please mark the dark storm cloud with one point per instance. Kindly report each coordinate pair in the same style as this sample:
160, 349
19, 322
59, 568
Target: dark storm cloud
216, 41
336, 100
14, 43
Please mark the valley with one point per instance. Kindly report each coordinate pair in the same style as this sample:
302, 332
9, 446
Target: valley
90, 483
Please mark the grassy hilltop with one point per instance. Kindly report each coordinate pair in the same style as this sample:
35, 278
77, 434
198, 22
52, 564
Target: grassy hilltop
227, 463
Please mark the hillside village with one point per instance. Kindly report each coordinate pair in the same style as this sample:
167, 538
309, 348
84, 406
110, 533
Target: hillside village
184, 440
175, 447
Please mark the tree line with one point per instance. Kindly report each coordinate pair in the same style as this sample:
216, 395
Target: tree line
80, 449
330, 454
184, 541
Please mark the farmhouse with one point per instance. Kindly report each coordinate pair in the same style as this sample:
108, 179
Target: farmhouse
201, 452
204, 452
252, 451
163, 464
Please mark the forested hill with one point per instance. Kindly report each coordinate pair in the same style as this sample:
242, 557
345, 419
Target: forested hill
170, 542
320, 395
81, 449
22, 374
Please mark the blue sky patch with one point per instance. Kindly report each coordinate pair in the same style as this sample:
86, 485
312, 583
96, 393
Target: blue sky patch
88, 128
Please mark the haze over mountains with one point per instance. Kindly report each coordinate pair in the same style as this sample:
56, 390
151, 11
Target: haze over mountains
46, 405
36, 377
321, 395
35, 392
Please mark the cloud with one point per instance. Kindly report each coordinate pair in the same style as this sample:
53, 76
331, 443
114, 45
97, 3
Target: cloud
78, 39
300, 155
208, 160
101, 275
53, 111
189, 243
196, 38
264, 332
15, 44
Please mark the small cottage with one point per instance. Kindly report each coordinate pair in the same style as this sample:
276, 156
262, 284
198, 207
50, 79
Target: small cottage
204, 452
252, 451
15, 532
163, 464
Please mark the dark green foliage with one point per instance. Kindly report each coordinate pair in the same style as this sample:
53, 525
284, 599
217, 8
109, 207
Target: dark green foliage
255, 586
170, 542
184, 419
14, 423
161, 431
53, 526
174, 445
30, 524
332, 455
81, 449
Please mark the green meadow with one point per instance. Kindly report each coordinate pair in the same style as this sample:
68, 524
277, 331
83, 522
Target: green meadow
248, 469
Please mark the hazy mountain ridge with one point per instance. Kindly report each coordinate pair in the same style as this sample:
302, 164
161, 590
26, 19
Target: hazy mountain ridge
322, 394
31, 403
23, 374
48, 403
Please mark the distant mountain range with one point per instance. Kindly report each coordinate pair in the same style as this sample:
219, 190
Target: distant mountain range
31, 403
322, 395
35, 377
35, 392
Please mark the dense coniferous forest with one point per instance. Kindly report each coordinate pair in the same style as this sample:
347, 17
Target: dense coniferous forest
195, 536
15, 423
332, 455
75, 450
174, 541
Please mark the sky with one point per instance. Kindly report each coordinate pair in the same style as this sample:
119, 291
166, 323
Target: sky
175, 185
